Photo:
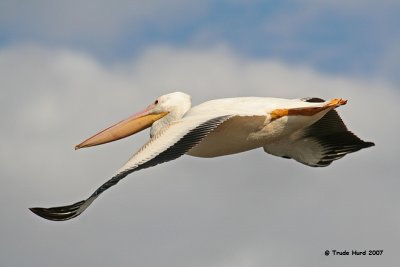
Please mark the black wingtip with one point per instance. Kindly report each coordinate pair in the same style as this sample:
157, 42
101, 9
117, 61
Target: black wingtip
337, 148
368, 144
62, 213
41, 212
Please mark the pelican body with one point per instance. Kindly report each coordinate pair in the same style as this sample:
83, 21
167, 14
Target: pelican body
307, 130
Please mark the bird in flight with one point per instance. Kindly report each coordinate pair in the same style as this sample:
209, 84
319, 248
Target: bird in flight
307, 130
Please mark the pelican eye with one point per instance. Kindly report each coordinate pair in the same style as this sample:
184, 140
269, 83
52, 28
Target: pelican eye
156, 102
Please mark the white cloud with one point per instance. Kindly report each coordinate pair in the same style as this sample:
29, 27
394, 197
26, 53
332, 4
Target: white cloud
248, 209
114, 29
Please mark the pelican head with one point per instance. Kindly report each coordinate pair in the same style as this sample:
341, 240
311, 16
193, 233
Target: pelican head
161, 112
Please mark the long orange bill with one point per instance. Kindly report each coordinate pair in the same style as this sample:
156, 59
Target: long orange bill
122, 129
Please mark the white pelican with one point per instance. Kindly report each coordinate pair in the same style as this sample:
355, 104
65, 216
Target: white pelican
307, 130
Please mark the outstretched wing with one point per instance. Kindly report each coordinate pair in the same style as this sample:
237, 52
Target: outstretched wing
171, 143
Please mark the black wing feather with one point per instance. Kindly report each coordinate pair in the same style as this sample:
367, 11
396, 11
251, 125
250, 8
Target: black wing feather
337, 141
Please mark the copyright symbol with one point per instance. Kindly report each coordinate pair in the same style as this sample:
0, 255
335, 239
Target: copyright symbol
326, 252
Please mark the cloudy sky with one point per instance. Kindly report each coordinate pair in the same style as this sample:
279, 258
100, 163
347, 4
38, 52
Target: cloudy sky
71, 68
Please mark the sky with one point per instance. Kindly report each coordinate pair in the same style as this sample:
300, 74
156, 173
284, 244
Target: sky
71, 68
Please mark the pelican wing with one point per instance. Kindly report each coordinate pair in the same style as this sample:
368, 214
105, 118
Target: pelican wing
171, 143
320, 144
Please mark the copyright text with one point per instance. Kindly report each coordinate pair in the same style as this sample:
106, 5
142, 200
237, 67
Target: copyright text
354, 252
